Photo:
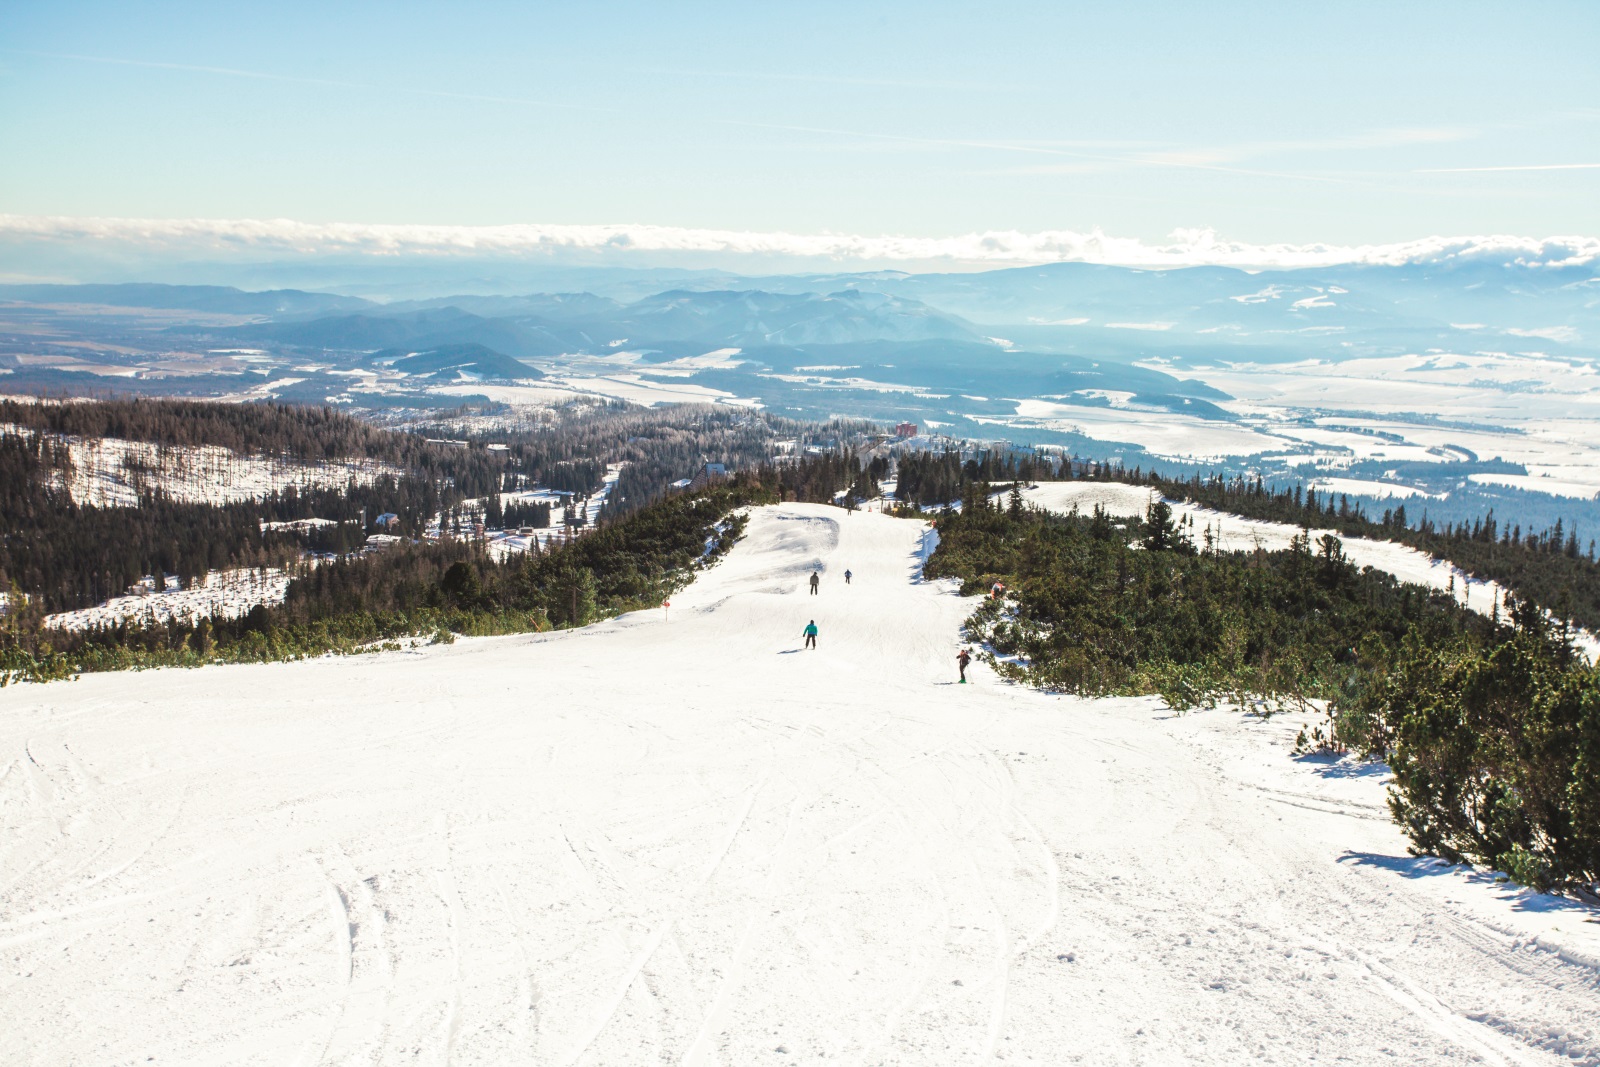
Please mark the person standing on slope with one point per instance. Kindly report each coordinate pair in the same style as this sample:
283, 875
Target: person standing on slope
846, 577
962, 660
816, 580
811, 634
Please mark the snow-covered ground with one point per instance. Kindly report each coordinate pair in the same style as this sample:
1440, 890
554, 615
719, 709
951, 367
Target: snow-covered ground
649, 390
111, 472
688, 841
227, 594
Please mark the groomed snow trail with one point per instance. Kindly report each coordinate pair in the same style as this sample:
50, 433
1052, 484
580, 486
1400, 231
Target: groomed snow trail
688, 841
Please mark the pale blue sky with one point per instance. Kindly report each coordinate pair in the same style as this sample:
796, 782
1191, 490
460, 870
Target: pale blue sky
1343, 123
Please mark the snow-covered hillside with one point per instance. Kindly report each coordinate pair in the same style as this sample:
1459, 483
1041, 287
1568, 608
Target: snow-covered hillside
1233, 533
686, 840
224, 594
111, 472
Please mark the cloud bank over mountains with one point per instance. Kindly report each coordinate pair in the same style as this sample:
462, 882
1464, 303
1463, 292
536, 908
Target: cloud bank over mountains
994, 248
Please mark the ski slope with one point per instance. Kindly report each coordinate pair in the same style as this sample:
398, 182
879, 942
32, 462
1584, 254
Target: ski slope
686, 841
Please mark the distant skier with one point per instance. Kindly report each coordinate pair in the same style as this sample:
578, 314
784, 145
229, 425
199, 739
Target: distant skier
816, 580
846, 577
811, 634
961, 661
997, 590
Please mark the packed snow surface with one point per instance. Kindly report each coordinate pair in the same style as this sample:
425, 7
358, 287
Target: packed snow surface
686, 840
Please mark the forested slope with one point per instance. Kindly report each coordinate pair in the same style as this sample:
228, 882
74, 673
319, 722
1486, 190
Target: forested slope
1491, 726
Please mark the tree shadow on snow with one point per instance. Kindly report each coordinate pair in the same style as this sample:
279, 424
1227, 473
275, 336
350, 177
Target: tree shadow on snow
1418, 867
1334, 765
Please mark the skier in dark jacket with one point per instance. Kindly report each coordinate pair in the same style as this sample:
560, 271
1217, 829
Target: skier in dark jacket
961, 661
811, 634
846, 577
816, 580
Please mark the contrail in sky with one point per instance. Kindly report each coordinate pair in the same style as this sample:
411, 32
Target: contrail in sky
1530, 166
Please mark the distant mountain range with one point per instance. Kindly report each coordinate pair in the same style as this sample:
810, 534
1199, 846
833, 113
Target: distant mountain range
1071, 333
424, 329
1071, 308
217, 299
586, 323
1471, 382
1413, 294
754, 317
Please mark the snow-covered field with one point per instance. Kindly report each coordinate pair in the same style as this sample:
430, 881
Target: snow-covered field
1162, 433
688, 841
636, 388
1525, 407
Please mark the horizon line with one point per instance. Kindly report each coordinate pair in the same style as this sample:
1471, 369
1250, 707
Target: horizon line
1184, 247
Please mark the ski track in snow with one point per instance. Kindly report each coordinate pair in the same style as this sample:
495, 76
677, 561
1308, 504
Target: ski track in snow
691, 842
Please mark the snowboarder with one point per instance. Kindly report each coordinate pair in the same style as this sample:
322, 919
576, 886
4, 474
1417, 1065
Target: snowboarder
811, 634
961, 661
846, 577
816, 580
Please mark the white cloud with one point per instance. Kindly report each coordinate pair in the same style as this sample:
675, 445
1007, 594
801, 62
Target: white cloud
1186, 247
1564, 334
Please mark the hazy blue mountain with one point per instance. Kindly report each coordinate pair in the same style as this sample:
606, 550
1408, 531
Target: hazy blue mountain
1224, 300
352, 332
757, 317
522, 338
966, 369
213, 298
553, 307
430, 328
341, 331
591, 324
453, 362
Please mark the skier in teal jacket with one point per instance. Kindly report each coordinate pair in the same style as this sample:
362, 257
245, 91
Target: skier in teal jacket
811, 634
